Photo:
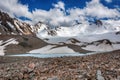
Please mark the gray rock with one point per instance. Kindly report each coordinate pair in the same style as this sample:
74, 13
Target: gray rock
53, 78
99, 75
118, 78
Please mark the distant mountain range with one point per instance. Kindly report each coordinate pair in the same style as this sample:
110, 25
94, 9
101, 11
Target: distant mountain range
20, 37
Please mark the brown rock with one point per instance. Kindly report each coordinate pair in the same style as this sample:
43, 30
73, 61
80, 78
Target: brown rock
26, 76
20, 75
31, 65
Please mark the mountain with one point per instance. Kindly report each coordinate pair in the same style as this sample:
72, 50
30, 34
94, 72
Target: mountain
43, 29
20, 37
10, 25
85, 28
17, 36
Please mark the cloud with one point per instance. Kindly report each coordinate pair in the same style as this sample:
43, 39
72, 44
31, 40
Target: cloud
58, 16
14, 8
96, 9
53, 16
60, 5
108, 1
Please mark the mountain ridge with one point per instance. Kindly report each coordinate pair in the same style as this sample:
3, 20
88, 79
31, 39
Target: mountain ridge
14, 26
20, 37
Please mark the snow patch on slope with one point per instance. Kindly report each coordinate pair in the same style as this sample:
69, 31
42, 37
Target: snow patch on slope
89, 38
48, 49
1, 49
85, 38
6, 43
10, 24
102, 47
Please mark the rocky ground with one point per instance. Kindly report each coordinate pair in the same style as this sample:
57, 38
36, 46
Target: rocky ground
103, 66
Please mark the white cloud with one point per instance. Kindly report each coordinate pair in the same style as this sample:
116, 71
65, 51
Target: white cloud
108, 1
95, 1
53, 16
14, 8
96, 9
57, 16
60, 5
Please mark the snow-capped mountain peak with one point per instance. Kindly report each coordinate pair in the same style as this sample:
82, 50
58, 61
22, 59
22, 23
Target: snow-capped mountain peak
10, 25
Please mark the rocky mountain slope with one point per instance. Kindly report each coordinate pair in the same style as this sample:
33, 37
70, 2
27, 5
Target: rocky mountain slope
17, 36
10, 25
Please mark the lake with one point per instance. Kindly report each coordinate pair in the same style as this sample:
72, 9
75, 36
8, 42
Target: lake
52, 55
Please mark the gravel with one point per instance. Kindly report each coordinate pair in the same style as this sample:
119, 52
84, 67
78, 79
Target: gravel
102, 66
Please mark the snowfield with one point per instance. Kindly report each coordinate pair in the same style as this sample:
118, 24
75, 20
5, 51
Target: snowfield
85, 32
88, 39
48, 49
85, 28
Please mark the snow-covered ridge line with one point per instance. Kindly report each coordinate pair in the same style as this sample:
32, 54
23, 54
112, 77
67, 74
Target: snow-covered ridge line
87, 28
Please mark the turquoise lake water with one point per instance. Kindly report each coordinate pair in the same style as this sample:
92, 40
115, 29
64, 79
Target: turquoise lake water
51, 55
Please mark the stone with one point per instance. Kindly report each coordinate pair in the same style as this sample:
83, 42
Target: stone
26, 76
53, 78
20, 75
99, 75
118, 78
31, 65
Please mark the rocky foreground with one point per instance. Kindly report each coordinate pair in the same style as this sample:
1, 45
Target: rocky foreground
104, 66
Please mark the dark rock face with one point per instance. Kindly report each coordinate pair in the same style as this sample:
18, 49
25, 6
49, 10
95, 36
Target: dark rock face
99, 23
10, 26
73, 40
105, 41
117, 33
5, 19
52, 32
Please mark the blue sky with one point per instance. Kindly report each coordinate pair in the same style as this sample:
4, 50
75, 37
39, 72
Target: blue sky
47, 4
61, 12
